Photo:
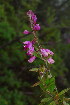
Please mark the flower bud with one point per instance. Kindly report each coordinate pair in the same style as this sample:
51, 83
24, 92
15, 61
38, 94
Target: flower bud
26, 32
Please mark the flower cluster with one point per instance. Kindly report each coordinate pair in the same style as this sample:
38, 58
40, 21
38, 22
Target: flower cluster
46, 54
28, 45
33, 20
32, 16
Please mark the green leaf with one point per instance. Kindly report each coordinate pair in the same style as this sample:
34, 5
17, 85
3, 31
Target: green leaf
63, 91
50, 80
34, 69
37, 54
50, 84
51, 87
46, 99
52, 103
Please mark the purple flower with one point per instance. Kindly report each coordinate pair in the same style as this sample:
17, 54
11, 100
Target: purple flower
34, 18
26, 32
30, 51
46, 52
28, 45
50, 60
36, 27
49, 52
31, 59
30, 12
43, 52
26, 42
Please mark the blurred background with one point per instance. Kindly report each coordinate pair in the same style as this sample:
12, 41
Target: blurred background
15, 78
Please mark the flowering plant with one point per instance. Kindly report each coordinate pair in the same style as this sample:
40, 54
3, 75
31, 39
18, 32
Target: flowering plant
51, 96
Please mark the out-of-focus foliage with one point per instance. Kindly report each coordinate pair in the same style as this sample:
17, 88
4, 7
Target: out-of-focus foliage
15, 79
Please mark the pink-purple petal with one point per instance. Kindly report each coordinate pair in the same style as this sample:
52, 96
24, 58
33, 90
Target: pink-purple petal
30, 51
43, 52
37, 27
28, 45
50, 61
26, 32
31, 59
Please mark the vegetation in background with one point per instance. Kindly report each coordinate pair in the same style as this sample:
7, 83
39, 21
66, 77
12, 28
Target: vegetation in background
15, 79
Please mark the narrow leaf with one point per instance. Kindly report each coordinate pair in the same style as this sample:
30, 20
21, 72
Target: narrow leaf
34, 69
52, 103
63, 91
45, 99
